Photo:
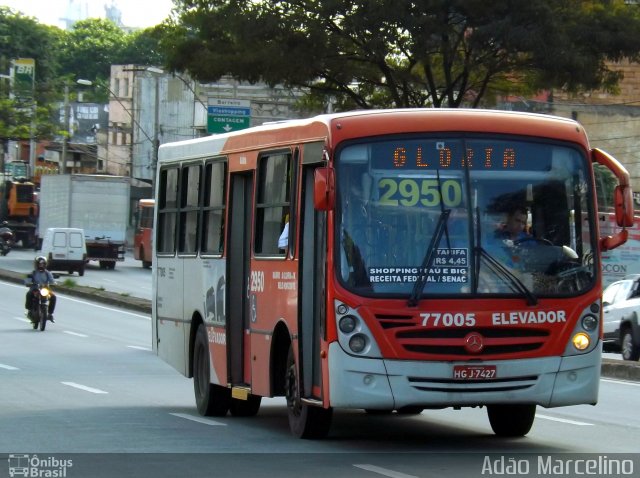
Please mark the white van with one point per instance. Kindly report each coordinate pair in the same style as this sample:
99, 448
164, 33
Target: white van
65, 249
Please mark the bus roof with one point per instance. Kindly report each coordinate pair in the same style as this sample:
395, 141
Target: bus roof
337, 127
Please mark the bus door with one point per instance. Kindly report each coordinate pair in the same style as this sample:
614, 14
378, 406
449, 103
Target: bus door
312, 273
237, 273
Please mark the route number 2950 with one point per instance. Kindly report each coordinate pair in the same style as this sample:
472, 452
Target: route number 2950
448, 319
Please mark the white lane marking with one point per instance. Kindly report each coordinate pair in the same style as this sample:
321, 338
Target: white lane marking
8, 367
384, 471
74, 333
83, 387
137, 347
205, 421
22, 319
563, 420
621, 382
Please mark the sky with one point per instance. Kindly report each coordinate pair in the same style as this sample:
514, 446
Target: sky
135, 13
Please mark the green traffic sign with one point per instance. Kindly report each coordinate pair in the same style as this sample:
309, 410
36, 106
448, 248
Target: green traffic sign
225, 123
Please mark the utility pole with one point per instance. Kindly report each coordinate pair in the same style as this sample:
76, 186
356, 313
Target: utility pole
63, 155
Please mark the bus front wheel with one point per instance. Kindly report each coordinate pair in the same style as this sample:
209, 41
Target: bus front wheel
211, 400
511, 420
305, 421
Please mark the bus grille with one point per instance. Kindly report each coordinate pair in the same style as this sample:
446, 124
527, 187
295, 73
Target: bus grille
428, 384
451, 340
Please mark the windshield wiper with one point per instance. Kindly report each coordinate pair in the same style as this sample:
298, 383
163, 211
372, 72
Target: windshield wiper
423, 272
501, 271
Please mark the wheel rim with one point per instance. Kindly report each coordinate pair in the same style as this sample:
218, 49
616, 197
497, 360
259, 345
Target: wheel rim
627, 344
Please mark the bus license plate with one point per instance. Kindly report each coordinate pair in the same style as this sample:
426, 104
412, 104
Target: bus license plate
474, 372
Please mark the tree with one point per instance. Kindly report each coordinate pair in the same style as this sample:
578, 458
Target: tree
91, 47
399, 53
24, 37
142, 47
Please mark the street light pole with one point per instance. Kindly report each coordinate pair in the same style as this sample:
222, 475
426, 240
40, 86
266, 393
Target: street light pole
63, 158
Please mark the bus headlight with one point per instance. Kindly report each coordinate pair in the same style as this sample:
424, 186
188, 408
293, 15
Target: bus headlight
589, 323
358, 343
581, 341
347, 324
353, 333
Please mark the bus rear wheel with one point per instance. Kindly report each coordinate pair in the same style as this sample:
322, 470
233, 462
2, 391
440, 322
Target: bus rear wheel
211, 400
511, 420
305, 421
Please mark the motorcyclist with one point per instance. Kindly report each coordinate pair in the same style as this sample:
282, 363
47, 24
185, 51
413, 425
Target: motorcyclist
6, 238
41, 275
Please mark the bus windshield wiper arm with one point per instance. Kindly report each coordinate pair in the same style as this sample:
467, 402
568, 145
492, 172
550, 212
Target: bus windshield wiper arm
500, 270
423, 272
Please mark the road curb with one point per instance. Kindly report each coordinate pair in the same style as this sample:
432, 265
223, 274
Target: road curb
90, 293
619, 369
622, 370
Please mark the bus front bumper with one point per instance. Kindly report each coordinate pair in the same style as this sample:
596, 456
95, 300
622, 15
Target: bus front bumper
357, 382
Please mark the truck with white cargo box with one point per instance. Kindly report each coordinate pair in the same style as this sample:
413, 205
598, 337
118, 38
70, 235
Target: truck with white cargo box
99, 204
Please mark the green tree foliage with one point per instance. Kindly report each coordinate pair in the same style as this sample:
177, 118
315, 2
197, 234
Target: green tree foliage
142, 47
399, 53
91, 47
24, 37
86, 51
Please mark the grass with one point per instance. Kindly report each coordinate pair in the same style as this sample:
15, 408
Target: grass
69, 283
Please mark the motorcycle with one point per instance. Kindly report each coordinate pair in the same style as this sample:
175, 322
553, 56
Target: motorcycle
39, 312
6, 239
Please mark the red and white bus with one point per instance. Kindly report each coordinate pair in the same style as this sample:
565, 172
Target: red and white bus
350, 261
143, 236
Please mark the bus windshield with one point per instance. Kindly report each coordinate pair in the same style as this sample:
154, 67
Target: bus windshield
440, 215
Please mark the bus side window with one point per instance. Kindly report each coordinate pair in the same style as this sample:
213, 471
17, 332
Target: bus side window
213, 208
189, 204
167, 211
272, 205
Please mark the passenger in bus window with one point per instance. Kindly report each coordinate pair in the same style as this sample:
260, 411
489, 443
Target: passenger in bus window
283, 240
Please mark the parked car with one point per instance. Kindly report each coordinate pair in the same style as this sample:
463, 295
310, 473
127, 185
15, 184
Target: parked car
621, 307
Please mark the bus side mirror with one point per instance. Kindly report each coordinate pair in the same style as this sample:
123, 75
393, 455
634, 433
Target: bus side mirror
623, 202
622, 199
324, 188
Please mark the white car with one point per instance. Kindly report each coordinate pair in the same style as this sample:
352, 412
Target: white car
621, 307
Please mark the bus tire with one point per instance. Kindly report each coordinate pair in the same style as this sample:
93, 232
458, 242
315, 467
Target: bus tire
211, 400
511, 420
305, 421
245, 408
